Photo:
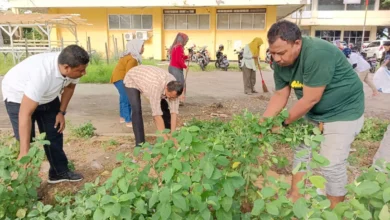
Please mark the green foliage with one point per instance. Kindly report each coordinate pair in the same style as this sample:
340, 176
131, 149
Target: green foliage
212, 174
6, 63
86, 130
373, 129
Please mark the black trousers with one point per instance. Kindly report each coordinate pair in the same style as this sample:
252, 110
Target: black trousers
45, 116
134, 96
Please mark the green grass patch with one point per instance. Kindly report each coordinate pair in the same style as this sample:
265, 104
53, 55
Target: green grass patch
6, 63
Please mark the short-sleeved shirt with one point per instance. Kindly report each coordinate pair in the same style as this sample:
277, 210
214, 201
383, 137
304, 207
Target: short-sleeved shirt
38, 77
361, 64
322, 64
151, 82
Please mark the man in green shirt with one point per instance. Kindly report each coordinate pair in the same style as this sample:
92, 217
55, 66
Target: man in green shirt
329, 93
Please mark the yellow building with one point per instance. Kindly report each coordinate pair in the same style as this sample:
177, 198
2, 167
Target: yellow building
206, 22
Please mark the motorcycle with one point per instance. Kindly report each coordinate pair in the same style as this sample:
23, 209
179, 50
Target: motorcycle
192, 54
239, 56
269, 60
168, 53
221, 62
203, 58
372, 61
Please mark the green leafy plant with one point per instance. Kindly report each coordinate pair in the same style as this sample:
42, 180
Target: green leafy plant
86, 130
373, 129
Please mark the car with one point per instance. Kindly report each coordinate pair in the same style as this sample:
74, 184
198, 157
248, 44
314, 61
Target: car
375, 49
341, 42
365, 44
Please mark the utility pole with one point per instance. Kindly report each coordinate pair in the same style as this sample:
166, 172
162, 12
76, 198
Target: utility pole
364, 25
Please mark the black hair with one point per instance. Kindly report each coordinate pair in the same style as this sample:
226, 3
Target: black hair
73, 56
285, 30
386, 43
175, 86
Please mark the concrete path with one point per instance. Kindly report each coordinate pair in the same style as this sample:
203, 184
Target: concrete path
98, 103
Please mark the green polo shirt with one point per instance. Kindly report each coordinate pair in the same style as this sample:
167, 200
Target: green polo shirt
322, 64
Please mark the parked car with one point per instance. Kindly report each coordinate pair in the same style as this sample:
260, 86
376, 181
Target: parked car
375, 49
365, 44
342, 43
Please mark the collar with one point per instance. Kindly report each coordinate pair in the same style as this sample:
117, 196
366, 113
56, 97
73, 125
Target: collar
57, 69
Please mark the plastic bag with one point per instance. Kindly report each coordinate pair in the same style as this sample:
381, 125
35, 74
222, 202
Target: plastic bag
382, 80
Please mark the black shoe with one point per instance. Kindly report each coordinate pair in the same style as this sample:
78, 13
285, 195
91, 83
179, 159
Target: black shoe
66, 177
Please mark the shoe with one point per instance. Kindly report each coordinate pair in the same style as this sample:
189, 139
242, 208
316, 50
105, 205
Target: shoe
66, 177
129, 124
254, 91
248, 93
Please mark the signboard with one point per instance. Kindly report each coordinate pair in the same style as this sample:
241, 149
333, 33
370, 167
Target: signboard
352, 2
243, 10
179, 11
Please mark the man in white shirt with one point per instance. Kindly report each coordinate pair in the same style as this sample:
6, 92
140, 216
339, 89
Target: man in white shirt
362, 67
30, 92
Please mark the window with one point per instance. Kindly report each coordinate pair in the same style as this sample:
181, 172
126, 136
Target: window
331, 5
130, 21
384, 5
328, 35
305, 32
239, 21
361, 6
187, 22
355, 37
374, 44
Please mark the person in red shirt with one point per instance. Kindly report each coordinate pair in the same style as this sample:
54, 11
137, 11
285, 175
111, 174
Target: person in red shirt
178, 58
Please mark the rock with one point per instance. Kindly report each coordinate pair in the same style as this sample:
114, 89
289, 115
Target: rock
105, 173
217, 105
95, 165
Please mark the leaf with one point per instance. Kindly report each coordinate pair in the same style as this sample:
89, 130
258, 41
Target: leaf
116, 209
165, 211
123, 185
176, 187
46, 208
98, 214
236, 164
165, 195
258, 207
208, 169
222, 215
384, 214
300, 208
206, 215
179, 201
107, 199
296, 169
272, 209
223, 161
329, 215
367, 188
177, 164
227, 203
153, 199
228, 188
324, 204
316, 131
140, 207
126, 197
318, 138
318, 181
381, 178
267, 192
188, 138
147, 157
193, 129
219, 148
21, 213
136, 151
386, 195
168, 174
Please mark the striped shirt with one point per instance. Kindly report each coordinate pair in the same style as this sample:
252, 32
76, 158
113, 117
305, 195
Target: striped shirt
151, 82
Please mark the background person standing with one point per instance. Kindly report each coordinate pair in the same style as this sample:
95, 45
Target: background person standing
131, 58
250, 62
30, 92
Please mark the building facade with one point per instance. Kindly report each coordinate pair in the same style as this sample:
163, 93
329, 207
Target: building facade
207, 23
334, 20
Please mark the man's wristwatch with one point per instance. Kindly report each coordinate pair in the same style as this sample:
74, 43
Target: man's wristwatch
62, 112
284, 124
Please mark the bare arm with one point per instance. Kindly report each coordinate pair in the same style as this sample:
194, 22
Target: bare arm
311, 96
27, 108
278, 102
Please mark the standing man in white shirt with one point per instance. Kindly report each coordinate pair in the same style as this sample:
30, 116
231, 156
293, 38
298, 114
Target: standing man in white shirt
362, 67
30, 92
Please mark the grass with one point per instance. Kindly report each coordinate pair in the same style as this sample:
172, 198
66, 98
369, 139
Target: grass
99, 71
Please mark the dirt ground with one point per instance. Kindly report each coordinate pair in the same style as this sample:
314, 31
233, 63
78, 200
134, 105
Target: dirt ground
209, 94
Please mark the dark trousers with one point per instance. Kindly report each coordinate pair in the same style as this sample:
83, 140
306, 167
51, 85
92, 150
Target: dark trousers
45, 116
134, 96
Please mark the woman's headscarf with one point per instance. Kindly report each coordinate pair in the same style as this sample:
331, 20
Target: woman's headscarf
180, 39
347, 52
133, 48
254, 46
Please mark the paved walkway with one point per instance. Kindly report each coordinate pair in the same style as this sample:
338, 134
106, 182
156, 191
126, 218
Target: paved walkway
98, 103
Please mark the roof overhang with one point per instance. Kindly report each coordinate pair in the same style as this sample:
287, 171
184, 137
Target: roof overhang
149, 3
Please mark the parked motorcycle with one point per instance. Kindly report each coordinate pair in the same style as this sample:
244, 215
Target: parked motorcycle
203, 58
192, 53
168, 53
372, 61
221, 62
239, 56
269, 60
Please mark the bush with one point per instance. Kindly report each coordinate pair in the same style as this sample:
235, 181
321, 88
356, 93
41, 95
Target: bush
86, 130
